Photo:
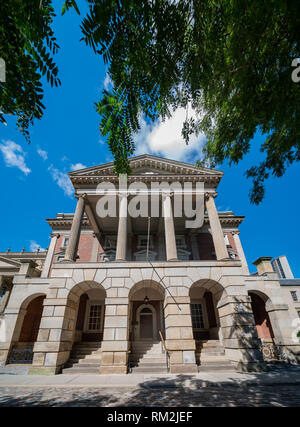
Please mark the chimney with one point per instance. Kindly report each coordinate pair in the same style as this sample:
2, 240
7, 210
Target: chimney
263, 265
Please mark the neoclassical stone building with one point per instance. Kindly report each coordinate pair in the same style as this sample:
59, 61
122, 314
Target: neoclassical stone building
121, 293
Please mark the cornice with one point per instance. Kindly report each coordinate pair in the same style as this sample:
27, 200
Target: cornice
67, 222
96, 179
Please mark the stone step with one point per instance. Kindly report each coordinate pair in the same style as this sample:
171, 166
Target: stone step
211, 353
84, 348
84, 353
213, 359
148, 369
82, 365
216, 368
156, 360
147, 353
150, 347
82, 370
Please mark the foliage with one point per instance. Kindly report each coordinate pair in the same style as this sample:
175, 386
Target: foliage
229, 60
27, 43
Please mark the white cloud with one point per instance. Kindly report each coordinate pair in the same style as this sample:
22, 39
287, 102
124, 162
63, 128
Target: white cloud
165, 139
107, 83
42, 153
34, 246
14, 156
62, 179
77, 166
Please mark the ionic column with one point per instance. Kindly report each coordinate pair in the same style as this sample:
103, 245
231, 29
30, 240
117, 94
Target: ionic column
122, 229
240, 251
72, 247
216, 229
171, 250
49, 256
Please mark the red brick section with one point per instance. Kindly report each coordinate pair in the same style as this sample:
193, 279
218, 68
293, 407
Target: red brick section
232, 243
85, 247
206, 246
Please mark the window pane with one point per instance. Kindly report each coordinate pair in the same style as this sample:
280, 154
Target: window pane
95, 317
197, 316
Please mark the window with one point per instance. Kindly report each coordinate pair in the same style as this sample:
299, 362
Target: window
143, 240
298, 313
65, 242
227, 240
111, 242
294, 295
183, 255
2, 292
197, 316
94, 317
142, 255
108, 256
180, 242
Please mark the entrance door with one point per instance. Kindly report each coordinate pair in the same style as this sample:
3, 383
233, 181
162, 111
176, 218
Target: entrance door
146, 324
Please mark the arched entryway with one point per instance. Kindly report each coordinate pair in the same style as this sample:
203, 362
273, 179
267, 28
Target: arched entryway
88, 312
207, 332
263, 326
146, 311
146, 326
26, 331
90, 316
261, 317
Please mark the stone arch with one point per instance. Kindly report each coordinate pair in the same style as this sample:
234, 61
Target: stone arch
81, 287
147, 284
211, 285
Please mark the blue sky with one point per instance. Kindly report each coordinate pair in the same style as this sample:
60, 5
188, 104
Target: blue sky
35, 184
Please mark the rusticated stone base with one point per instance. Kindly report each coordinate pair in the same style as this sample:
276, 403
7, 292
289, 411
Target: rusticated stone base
183, 369
250, 367
113, 369
43, 370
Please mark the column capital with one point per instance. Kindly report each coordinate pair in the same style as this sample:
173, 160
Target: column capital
80, 196
236, 232
55, 235
207, 195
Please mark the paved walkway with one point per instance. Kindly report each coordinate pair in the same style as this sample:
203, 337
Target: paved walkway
280, 387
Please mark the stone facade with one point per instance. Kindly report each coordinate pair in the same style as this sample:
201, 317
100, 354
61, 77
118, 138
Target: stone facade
99, 281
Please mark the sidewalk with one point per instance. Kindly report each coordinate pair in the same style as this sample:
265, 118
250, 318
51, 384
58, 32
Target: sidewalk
289, 375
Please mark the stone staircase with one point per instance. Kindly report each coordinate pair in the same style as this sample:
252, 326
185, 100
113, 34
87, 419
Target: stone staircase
147, 357
85, 358
210, 357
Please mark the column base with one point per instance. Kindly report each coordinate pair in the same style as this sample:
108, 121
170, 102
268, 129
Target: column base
44, 370
113, 369
183, 369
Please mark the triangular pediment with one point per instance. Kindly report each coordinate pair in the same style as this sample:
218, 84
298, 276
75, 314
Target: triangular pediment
148, 164
6, 263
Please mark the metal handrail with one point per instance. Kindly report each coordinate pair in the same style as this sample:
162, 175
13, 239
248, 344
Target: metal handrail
166, 351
